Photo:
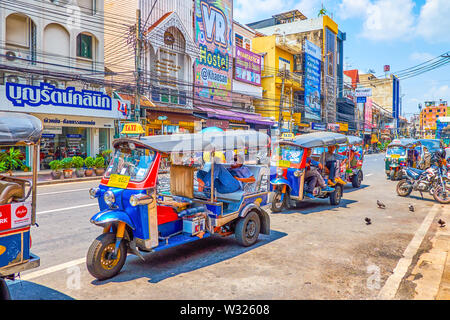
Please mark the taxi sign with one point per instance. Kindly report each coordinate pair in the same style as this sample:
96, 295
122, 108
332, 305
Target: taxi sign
132, 128
118, 181
287, 136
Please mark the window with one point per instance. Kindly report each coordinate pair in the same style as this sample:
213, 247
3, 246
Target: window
239, 40
84, 46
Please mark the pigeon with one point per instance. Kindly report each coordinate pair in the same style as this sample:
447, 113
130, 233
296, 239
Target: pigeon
381, 205
411, 208
368, 221
442, 223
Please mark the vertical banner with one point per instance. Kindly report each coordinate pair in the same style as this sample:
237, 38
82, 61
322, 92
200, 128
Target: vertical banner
214, 37
395, 100
312, 60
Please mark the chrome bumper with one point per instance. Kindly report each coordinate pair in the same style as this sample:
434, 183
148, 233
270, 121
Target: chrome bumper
32, 263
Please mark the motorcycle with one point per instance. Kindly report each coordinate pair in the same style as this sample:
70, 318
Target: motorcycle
434, 180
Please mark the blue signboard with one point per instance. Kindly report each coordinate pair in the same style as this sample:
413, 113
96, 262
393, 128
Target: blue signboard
318, 126
396, 99
312, 81
361, 99
74, 136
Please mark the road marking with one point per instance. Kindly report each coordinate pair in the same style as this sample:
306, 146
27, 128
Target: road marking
69, 208
58, 192
67, 183
59, 267
370, 174
392, 283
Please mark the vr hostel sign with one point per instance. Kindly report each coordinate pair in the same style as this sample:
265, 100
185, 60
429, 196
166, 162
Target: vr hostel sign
214, 36
46, 94
312, 81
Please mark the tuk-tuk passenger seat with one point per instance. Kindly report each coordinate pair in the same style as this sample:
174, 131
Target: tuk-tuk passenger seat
10, 191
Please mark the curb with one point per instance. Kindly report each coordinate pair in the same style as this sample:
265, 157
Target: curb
59, 181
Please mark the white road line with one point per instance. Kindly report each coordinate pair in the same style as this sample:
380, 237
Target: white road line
68, 208
59, 267
58, 192
369, 174
391, 286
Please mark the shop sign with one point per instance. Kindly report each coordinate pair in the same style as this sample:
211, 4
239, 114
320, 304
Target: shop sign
343, 127
213, 35
287, 136
247, 66
361, 99
15, 215
312, 81
333, 127
363, 92
52, 130
318, 126
74, 136
46, 94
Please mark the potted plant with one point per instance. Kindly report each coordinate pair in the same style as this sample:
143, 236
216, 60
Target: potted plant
107, 155
56, 166
67, 166
99, 164
78, 163
2, 166
11, 159
89, 163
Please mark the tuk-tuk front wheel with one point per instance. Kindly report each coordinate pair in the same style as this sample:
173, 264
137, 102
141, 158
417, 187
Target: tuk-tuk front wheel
277, 203
247, 229
99, 260
336, 195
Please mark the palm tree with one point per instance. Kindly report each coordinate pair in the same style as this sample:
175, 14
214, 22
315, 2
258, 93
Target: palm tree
322, 12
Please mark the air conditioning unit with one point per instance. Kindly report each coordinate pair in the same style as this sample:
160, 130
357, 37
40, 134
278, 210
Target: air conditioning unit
53, 82
251, 108
14, 78
11, 55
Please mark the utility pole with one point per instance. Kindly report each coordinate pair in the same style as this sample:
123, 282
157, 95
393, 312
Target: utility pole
137, 103
280, 116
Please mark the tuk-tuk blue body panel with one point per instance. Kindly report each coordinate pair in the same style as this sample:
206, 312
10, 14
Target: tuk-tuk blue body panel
288, 179
14, 246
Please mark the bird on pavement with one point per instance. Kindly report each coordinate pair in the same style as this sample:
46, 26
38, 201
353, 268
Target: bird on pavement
442, 223
381, 205
368, 221
411, 208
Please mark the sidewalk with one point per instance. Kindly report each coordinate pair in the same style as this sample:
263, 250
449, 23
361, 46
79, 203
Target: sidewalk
45, 178
431, 274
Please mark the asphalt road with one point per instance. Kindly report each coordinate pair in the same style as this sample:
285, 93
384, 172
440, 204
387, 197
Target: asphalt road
313, 252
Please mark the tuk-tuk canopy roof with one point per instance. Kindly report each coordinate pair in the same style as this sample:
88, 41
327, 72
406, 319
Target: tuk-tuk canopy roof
352, 140
403, 143
18, 128
318, 139
197, 142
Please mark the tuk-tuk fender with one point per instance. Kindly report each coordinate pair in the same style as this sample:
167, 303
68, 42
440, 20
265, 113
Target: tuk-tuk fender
107, 216
279, 181
263, 217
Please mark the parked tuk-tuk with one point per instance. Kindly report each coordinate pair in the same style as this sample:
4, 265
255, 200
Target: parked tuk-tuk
17, 199
136, 218
402, 153
353, 157
288, 168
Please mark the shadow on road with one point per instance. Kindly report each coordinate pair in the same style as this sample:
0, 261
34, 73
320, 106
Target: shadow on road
348, 188
315, 206
192, 256
26, 290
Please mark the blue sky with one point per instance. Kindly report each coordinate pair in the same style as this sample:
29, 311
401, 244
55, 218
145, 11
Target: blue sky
399, 33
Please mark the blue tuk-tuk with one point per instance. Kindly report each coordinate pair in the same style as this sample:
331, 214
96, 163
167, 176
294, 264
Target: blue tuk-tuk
138, 215
288, 169
17, 198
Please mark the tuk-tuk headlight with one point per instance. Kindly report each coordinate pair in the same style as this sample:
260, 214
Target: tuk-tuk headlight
280, 171
94, 192
109, 198
297, 173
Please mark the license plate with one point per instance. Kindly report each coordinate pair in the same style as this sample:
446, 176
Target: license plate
395, 156
118, 181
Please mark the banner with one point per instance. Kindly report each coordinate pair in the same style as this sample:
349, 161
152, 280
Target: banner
312, 81
247, 67
214, 36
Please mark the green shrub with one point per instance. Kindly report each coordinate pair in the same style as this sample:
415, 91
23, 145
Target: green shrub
2, 166
56, 165
89, 162
67, 163
12, 159
99, 162
77, 162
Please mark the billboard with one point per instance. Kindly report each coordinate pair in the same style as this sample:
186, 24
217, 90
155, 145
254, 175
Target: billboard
247, 67
214, 37
312, 69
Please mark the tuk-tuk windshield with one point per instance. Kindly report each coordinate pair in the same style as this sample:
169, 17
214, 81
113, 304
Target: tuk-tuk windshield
133, 163
396, 150
288, 156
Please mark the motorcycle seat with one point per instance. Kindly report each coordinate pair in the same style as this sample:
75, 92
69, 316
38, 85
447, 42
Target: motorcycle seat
418, 171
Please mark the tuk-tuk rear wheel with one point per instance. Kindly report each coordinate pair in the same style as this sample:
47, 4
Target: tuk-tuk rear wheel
247, 229
98, 260
356, 180
336, 195
4, 291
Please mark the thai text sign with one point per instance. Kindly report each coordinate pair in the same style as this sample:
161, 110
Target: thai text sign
247, 66
46, 94
214, 36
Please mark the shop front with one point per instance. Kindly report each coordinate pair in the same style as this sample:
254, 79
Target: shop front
76, 122
161, 121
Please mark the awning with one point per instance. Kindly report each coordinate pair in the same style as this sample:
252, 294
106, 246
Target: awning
145, 102
237, 116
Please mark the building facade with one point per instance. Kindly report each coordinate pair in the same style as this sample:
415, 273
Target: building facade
52, 66
429, 116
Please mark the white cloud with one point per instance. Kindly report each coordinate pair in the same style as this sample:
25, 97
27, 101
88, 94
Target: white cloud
434, 24
353, 8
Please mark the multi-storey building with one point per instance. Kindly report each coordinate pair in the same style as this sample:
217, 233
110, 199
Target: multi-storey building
432, 111
52, 66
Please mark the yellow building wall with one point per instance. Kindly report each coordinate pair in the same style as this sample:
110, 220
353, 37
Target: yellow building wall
271, 84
